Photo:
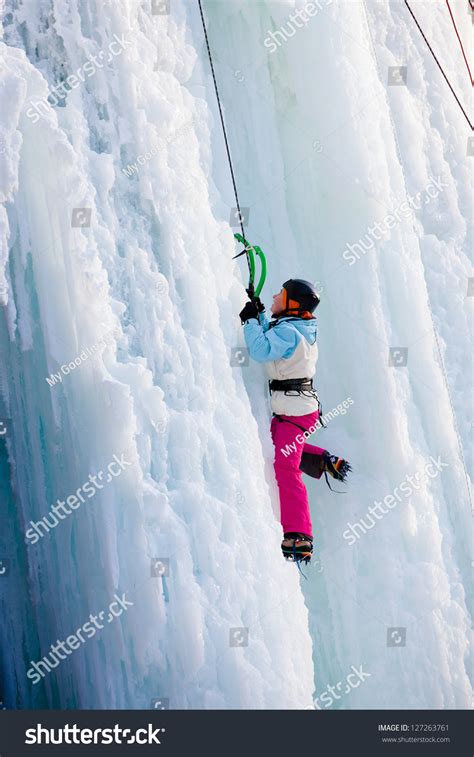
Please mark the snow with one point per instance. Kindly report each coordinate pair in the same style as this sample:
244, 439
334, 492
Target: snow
323, 149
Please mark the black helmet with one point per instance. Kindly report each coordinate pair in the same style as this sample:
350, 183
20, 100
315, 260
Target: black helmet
302, 292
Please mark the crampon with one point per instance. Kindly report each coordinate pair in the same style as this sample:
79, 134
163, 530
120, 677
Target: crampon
316, 465
337, 467
297, 547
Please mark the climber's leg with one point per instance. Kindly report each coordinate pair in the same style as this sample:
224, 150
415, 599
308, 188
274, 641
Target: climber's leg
289, 442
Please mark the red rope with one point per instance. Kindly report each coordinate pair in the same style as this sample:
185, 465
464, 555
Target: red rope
460, 41
439, 64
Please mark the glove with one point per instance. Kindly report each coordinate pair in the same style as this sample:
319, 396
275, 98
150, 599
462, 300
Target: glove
259, 304
251, 310
257, 300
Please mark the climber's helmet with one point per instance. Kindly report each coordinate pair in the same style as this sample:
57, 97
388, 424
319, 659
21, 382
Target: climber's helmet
300, 295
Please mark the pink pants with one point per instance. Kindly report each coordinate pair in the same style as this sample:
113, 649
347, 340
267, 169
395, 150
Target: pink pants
294, 507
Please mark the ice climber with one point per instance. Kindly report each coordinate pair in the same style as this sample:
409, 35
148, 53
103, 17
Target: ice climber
288, 346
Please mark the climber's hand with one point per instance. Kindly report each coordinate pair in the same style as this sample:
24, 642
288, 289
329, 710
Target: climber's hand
259, 304
257, 300
251, 310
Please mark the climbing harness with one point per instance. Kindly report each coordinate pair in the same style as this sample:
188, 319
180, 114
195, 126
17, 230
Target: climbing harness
293, 387
300, 386
250, 251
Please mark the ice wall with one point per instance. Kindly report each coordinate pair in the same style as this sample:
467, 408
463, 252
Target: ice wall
352, 151
152, 283
323, 149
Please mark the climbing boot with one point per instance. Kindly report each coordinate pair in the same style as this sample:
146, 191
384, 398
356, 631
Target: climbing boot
297, 547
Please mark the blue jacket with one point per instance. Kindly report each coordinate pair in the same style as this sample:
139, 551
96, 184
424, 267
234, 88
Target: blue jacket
289, 350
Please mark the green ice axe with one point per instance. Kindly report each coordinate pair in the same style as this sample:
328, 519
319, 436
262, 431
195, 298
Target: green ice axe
251, 251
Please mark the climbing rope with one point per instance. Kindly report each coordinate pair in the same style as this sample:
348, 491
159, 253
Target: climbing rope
440, 354
250, 251
222, 121
460, 41
439, 64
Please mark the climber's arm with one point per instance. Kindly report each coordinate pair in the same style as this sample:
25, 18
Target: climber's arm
264, 322
273, 344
